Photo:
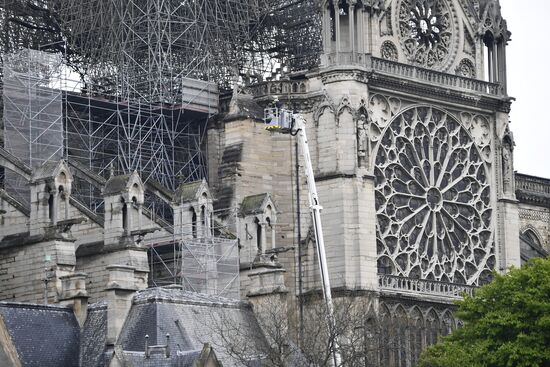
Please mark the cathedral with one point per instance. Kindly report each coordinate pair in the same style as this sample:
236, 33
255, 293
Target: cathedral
407, 116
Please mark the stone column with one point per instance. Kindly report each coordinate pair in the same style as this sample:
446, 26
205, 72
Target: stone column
262, 237
337, 30
502, 64
129, 221
351, 24
55, 205
494, 62
120, 291
326, 30
361, 32
139, 211
273, 236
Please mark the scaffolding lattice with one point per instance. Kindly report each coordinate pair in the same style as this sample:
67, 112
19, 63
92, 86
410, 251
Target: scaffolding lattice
148, 74
207, 264
33, 126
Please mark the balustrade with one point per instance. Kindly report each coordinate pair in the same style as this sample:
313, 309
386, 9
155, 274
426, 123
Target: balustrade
423, 286
278, 87
432, 77
533, 184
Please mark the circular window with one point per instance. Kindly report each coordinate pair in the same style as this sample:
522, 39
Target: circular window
433, 203
427, 32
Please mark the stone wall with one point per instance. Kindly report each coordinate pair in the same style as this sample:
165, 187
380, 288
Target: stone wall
537, 219
24, 266
13, 220
96, 263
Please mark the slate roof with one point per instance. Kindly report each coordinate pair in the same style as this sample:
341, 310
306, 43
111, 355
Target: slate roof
93, 337
180, 359
187, 192
45, 170
116, 184
190, 319
44, 336
253, 204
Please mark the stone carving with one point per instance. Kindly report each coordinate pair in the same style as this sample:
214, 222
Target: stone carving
362, 141
379, 110
480, 129
469, 44
345, 104
466, 69
433, 202
388, 51
386, 28
508, 163
427, 31
321, 107
492, 21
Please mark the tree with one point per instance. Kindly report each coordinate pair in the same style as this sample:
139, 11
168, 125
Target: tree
506, 323
276, 341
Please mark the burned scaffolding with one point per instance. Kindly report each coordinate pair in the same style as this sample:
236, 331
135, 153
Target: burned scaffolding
115, 86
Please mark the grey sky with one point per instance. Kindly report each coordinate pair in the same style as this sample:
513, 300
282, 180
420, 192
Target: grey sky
528, 61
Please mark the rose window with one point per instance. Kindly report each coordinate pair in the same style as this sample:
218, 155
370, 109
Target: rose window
425, 25
433, 201
426, 31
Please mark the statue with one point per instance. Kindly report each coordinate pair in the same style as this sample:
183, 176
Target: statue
508, 164
362, 141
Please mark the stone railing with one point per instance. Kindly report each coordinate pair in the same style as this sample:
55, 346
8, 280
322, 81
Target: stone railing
412, 72
532, 184
279, 88
434, 77
382, 66
394, 283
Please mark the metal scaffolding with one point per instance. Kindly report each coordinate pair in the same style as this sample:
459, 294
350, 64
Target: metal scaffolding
141, 77
33, 126
138, 82
45, 118
208, 263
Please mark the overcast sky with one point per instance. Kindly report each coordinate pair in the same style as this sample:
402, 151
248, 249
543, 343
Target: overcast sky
528, 63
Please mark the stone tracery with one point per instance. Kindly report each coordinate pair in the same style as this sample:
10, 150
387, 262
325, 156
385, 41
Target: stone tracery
427, 31
433, 200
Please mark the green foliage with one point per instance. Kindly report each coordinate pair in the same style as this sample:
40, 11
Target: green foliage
506, 323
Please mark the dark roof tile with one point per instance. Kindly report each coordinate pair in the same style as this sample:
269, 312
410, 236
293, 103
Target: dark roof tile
43, 336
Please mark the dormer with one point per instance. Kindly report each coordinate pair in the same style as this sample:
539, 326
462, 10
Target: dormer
124, 197
257, 227
193, 210
50, 186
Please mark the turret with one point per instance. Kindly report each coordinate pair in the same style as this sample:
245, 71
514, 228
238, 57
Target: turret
50, 185
124, 196
193, 208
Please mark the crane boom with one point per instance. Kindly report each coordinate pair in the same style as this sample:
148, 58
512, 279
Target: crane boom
294, 123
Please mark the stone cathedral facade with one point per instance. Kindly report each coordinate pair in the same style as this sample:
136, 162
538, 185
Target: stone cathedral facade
409, 132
